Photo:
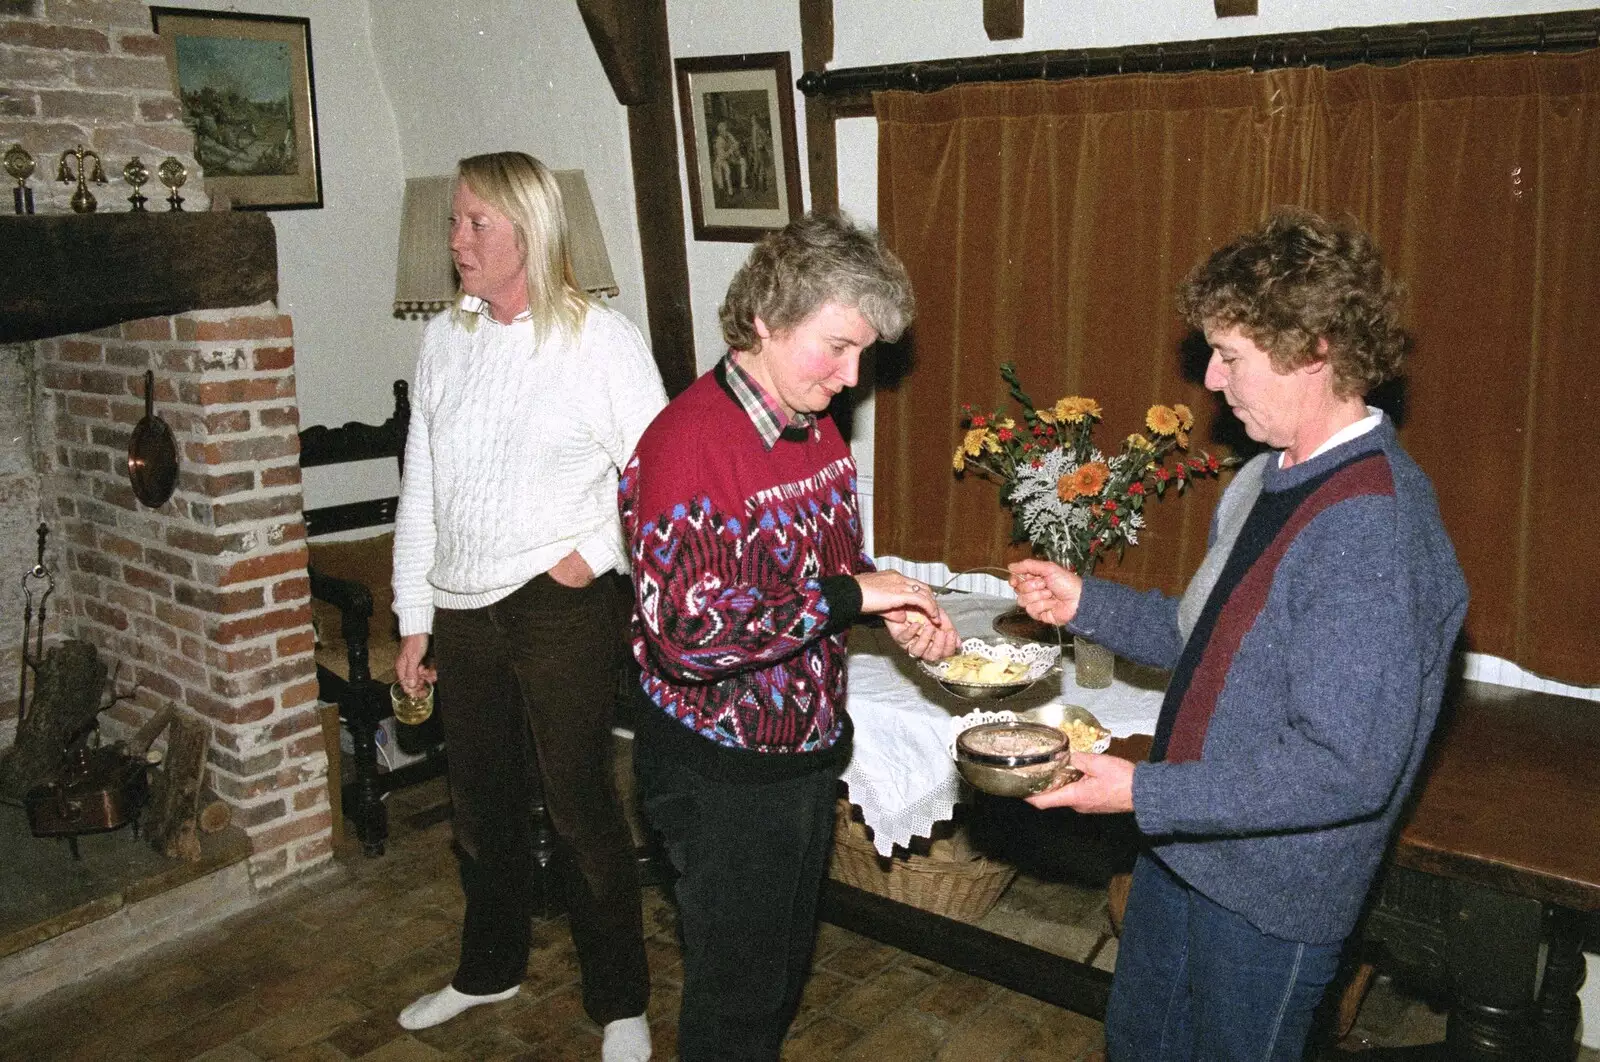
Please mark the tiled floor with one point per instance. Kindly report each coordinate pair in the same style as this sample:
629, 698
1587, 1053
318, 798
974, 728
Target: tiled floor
319, 972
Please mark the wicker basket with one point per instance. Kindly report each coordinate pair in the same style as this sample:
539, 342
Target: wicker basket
961, 888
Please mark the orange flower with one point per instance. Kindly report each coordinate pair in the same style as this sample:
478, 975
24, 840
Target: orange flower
1087, 481
1185, 417
1073, 409
1162, 420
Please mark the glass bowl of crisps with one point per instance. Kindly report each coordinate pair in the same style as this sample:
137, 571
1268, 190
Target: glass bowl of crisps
988, 669
1013, 758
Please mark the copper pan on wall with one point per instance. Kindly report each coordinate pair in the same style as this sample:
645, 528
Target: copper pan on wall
152, 453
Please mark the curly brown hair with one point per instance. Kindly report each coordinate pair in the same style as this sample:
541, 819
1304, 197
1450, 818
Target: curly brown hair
814, 260
1297, 280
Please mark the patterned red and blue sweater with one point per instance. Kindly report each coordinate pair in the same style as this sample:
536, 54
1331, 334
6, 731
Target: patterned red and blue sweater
743, 558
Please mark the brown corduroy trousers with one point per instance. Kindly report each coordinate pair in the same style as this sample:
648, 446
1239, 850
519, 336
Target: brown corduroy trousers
530, 683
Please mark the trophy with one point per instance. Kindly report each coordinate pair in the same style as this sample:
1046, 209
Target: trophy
173, 174
136, 173
19, 164
82, 201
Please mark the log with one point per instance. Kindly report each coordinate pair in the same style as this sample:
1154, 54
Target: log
68, 686
141, 742
170, 821
214, 814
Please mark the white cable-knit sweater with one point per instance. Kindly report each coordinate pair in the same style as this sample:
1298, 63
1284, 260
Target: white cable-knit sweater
512, 457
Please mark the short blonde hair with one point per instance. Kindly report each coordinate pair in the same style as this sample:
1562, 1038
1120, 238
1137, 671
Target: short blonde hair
814, 260
525, 191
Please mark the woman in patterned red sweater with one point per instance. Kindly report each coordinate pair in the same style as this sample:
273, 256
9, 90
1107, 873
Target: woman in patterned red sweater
745, 538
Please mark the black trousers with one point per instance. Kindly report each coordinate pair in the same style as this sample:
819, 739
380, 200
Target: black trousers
527, 684
750, 859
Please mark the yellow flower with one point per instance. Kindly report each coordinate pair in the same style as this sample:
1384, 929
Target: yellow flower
959, 461
1073, 409
1005, 422
1185, 418
1046, 415
1162, 420
973, 443
1139, 442
1183, 439
1088, 480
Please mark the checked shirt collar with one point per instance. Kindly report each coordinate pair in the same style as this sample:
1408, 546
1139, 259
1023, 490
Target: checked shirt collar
770, 422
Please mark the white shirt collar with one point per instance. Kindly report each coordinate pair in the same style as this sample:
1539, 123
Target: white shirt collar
473, 304
1373, 418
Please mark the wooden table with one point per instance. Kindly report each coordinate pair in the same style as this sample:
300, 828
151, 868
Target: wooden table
1497, 869
1490, 884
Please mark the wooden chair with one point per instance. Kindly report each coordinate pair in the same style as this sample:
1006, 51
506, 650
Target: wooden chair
357, 639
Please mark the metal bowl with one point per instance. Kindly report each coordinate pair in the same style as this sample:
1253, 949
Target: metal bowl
1013, 758
1064, 716
1037, 660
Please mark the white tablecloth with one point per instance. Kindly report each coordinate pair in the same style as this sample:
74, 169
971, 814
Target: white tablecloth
901, 774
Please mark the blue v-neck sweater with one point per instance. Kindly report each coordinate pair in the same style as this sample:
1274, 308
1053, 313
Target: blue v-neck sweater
1301, 705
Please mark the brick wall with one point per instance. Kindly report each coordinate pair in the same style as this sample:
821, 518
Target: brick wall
204, 602
89, 72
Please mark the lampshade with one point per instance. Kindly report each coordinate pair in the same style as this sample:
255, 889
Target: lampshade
425, 278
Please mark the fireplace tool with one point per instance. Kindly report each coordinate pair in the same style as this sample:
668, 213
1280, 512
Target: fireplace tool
38, 577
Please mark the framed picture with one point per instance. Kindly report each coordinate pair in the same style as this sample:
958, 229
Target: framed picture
245, 85
739, 144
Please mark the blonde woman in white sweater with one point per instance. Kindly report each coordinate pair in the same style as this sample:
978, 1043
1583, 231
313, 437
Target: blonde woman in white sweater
529, 396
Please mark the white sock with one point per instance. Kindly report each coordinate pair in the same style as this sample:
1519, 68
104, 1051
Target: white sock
626, 1040
436, 1008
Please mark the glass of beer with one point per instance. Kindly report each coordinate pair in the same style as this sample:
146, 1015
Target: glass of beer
412, 709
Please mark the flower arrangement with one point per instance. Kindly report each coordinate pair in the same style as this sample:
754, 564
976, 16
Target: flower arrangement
1072, 501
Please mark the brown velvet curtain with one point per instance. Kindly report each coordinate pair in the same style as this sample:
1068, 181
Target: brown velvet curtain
1049, 224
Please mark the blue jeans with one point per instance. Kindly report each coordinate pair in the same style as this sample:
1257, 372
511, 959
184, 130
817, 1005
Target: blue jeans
1198, 983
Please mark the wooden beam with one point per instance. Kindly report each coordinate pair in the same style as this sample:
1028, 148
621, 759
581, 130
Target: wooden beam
1230, 8
822, 149
1002, 19
630, 37
822, 154
66, 273
816, 34
619, 42
658, 200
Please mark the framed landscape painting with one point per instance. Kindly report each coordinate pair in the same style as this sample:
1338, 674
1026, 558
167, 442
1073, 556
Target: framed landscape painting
739, 144
245, 85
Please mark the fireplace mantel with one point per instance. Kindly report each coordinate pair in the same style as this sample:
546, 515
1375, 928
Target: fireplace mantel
67, 273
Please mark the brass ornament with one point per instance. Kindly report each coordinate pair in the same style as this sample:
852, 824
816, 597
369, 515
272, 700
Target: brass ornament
83, 202
19, 164
173, 173
136, 173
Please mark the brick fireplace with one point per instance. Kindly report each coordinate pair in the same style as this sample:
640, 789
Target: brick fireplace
202, 603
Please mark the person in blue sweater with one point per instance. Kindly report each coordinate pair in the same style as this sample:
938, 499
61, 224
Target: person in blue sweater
1308, 659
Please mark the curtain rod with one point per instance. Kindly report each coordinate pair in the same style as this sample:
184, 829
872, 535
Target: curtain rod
1557, 31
